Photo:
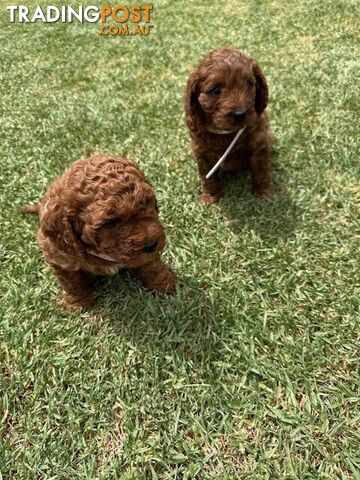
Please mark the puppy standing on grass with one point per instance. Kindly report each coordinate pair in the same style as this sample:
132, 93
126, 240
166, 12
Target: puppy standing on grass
101, 215
227, 93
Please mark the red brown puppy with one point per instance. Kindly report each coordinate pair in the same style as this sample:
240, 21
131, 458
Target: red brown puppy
100, 216
226, 93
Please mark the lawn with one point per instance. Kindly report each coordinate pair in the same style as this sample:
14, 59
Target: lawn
251, 370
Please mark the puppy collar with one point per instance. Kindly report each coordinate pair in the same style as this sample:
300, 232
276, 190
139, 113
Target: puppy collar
103, 256
220, 132
224, 157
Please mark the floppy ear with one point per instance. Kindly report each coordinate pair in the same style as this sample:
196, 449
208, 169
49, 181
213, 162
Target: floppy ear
62, 226
192, 107
262, 93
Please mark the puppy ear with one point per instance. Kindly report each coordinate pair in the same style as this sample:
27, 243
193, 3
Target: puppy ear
262, 92
192, 106
61, 225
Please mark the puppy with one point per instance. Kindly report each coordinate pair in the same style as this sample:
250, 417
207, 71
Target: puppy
226, 93
101, 216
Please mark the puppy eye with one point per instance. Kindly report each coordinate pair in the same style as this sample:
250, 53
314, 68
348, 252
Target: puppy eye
149, 204
249, 84
215, 92
114, 222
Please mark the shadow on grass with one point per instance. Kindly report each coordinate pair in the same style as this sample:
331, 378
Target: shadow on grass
271, 219
186, 323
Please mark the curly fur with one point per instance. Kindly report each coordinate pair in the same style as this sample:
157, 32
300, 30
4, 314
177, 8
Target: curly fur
225, 82
99, 216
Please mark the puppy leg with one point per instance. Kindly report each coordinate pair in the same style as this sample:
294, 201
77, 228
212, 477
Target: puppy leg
260, 167
78, 290
156, 276
210, 188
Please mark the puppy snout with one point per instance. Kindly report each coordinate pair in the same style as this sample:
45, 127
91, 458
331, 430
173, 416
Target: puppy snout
239, 115
150, 247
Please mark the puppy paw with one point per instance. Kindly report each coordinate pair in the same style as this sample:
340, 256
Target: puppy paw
265, 192
208, 199
71, 302
164, 283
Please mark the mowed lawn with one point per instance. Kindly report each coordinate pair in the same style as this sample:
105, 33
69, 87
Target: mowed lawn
251, 370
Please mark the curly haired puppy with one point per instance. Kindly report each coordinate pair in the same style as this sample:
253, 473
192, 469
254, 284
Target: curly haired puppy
98, 217
227, 92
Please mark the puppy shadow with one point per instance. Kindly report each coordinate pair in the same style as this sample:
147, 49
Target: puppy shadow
183, 324
272, 219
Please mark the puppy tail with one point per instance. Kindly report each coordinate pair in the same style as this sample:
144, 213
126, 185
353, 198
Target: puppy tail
35, 209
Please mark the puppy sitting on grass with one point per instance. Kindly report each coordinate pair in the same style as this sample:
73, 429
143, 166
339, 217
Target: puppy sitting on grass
225, 101
100, 216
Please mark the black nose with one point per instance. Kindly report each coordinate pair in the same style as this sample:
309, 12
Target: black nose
239, 115
150, 247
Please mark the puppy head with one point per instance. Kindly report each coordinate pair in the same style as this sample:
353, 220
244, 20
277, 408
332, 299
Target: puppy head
123, 222
118, 220
226, 92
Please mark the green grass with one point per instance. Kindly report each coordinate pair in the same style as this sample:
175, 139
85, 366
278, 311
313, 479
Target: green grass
251, 370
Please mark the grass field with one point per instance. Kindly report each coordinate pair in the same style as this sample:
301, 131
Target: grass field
251, 370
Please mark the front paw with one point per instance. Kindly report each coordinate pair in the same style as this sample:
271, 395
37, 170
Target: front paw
164, 282
72, 302
265, 192
208, 198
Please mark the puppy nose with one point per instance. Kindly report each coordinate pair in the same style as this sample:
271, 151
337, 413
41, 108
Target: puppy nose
239, 115
150, 247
